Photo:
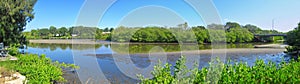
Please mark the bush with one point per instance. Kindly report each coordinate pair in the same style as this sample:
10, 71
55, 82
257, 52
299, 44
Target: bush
261, 72
293, 39
13, 50
38, 69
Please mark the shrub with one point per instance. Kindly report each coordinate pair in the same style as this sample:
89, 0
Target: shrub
261, 72
13, 49
38, 69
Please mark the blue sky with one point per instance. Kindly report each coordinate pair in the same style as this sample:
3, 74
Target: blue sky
258, 12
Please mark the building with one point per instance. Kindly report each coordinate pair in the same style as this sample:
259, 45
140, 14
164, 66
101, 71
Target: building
106, 32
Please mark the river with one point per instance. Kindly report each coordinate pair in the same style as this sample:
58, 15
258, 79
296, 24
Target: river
119, 63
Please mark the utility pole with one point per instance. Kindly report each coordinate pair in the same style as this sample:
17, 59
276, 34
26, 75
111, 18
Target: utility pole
273, 24
273, 30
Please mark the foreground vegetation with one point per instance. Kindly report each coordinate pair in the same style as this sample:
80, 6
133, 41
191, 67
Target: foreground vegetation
14, 15
218, 72
37, 69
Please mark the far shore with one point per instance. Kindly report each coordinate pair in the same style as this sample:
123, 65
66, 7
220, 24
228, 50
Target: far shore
86, 41
93, 41
229, 52
67, 41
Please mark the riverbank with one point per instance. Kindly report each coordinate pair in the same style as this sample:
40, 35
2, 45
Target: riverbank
66, 41
271, 46
86, 41
228, 52
93, 41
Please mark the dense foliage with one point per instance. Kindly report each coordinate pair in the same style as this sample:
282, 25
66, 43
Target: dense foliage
68, 33
200, 34
293, 39
38, 69
14, 15
239, 35
261, 72
233, 33
153, 34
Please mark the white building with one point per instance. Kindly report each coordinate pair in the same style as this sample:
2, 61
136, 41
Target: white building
106, 32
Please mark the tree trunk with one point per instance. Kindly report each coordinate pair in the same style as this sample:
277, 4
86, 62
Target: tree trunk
1, 40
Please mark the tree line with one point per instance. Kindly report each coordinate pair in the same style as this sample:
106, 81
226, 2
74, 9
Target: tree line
293, 39
67, 33
234, 33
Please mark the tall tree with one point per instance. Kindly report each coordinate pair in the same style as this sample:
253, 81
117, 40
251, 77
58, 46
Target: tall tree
293, 37
98, 33
106, 29
253, 29
53, 30
201, 33
111, 29
44, 32
62, 31
230, 25
14, 15
34, 33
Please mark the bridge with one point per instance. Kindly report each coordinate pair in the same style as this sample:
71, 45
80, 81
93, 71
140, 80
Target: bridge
268, 37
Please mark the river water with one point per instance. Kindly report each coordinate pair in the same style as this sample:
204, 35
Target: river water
119, 63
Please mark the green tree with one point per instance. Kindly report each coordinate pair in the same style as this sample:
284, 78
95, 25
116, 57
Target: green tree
14, 16
239, 35
106, 29
98, 33
201, 33
293, 39
230, 25
53, 30
230, 37
111, 29
71, 31
62, 31
34, 33
253, 29
44, 32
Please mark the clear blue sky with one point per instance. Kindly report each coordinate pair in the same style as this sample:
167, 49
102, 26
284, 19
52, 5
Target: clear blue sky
285, 13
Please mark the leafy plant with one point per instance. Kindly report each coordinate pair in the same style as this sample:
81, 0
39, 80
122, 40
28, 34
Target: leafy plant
293, 39
38, 69
13, 49
217, 72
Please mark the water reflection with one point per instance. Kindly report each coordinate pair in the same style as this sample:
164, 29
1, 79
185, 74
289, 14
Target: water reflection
53, 47
130, 48
140, 57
